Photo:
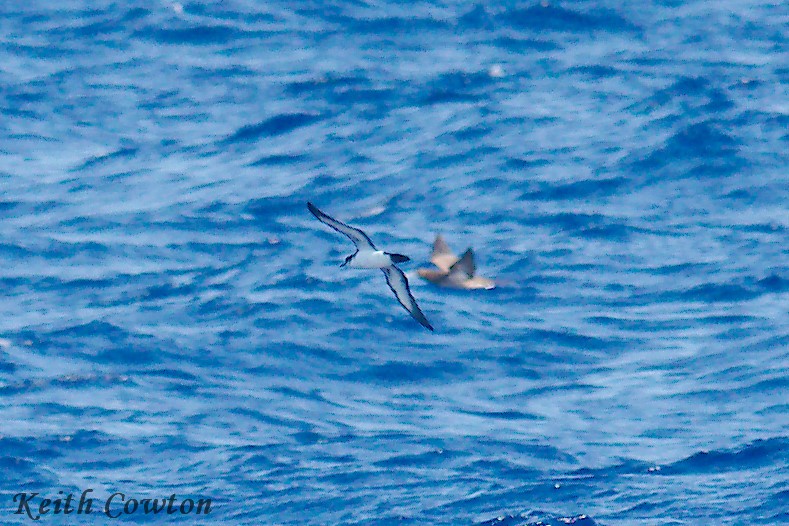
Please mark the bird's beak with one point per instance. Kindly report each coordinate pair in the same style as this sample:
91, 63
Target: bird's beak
343, 264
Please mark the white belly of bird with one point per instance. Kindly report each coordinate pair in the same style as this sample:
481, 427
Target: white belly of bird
371, 259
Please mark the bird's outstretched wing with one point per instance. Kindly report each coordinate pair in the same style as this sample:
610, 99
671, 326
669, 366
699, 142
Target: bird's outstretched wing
399, 285
442, 256
464, 268
358, 237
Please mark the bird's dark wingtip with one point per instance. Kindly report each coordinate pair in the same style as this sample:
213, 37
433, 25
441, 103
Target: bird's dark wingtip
424, 323
314, 209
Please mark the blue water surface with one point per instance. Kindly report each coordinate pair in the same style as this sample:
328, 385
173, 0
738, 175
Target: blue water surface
174, 321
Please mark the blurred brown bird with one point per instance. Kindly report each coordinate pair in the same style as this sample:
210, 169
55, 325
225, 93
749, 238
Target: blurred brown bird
453, 272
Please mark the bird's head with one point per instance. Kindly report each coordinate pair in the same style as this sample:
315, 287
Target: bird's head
347, 260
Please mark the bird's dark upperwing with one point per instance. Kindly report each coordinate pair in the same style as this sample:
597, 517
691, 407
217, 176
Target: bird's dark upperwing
464, 267
399, 285
358, 237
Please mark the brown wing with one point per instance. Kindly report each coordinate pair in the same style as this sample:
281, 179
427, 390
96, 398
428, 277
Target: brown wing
442, 256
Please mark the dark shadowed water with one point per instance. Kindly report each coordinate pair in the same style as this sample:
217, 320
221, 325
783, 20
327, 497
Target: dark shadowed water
174, 321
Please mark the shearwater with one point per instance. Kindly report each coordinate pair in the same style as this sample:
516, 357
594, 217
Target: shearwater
367, 256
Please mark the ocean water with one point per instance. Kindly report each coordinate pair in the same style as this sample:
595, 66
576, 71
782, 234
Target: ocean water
173, 321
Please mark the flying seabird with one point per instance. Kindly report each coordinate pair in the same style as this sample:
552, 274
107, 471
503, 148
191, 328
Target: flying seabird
367, 256
453, 272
